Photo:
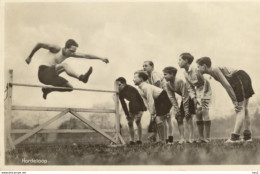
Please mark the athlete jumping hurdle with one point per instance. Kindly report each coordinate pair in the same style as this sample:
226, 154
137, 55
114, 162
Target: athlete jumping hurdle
49, 71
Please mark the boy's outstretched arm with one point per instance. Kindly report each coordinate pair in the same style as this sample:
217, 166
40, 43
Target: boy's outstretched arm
51, 48
87, 56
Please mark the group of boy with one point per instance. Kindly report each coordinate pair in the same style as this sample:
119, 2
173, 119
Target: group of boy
157, 93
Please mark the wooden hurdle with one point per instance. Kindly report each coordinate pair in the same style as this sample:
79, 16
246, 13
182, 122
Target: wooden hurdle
10, 144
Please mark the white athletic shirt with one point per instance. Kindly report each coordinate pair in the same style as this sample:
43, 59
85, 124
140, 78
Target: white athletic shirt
54, 58
149, 93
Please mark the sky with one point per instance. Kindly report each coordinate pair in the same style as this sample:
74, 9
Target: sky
128, 33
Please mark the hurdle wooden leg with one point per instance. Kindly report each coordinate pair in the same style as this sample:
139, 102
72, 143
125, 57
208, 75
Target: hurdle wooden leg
114, 137
37, 129
11, 143
8, 113
92, 125
121, 139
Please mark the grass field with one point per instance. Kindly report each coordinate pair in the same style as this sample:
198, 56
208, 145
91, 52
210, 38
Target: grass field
216, 152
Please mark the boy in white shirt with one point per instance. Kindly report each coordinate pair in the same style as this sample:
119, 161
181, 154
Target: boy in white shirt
157, 101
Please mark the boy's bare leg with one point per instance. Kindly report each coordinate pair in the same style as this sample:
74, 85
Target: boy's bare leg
200, 123
247, 121
131, 128
139, 128
153, 136
190, 128
160, 121
240, 115
181, 131
170, 126
207, 124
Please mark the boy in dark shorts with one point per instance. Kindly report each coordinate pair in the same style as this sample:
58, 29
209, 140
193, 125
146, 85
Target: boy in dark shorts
155, 78
50, 70
157, 102
136, 108
239, 88
187, 108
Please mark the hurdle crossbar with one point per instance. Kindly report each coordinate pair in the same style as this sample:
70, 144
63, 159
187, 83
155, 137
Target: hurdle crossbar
33, 108
77, 89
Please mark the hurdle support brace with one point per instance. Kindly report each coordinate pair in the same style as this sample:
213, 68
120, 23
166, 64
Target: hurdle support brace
10, 144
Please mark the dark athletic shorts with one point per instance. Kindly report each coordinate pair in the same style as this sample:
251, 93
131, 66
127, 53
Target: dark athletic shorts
47, 75
162, 104
192, 111
242, 85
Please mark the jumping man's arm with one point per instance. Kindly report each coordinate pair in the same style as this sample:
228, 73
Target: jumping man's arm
87, 56
51, 48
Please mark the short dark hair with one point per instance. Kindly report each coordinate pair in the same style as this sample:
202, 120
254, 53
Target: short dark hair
121, 79
188, 57
71, 42
142, 74
204, 60
150, 63
171, 70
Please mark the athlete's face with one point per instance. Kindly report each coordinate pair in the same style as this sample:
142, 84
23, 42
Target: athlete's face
147, 67
168, 76
202, 68
137, 80
70, 51
182, 63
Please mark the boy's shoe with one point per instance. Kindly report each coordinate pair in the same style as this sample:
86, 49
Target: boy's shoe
200, 141
160, 143
181, 141
139, 142
170, 140
131, 143
247, 141
170, 143
206, 140
235, 138
229, 141
190, 141
247, 136
152, 138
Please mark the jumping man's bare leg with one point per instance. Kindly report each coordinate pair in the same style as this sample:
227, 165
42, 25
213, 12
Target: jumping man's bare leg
46, 91
63, 67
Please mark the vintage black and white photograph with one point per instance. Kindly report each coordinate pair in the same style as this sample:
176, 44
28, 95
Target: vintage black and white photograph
165, 83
